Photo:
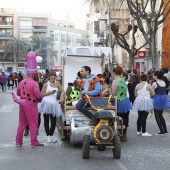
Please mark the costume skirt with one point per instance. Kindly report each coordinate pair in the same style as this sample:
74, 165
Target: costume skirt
143, 104
161, 102
123, 106
50, 107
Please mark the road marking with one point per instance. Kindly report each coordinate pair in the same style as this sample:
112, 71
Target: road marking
121, 165
6, 108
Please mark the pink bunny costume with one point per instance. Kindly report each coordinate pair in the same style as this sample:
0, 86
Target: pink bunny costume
28, 90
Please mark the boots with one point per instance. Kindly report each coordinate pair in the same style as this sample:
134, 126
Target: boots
123, 138
26, 133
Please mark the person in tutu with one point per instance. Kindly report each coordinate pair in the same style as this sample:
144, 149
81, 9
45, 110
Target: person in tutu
160, 101
50, 107
143, 104
124, 105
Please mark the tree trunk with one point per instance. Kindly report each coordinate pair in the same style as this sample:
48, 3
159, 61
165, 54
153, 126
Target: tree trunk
131, 61
153, 53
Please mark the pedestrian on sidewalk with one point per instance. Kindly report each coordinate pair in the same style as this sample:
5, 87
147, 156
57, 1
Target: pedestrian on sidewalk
160, 102
4, 81
143, 104
10, 81
16, 79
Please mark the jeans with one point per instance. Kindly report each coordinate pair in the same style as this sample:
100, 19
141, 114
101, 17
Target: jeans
4, 86
81, 108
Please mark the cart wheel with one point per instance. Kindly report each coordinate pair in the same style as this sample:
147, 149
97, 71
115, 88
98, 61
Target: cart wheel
86, 147
101, 147
117, 147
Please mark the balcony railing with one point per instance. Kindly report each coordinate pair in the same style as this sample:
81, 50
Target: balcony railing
40, 30
6, 36
3, 60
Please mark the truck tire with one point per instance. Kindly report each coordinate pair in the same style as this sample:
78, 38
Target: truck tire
117, 147
86, 147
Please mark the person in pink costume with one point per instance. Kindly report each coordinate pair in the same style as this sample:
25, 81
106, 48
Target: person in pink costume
28, 90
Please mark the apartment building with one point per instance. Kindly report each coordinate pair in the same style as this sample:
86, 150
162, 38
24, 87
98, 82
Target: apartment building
30, 24
99, 19
64, 34
7, 30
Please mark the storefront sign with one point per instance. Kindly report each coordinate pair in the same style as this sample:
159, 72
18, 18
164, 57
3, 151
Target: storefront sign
141, 54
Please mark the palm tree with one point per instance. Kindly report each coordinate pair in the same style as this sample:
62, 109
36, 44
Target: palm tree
43, 46
15, 48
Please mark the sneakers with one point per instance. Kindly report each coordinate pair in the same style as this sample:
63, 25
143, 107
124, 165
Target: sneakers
146, 134
160, 134
54, 139
49, 139
139, 133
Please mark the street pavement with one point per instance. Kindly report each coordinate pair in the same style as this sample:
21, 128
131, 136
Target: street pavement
138, 153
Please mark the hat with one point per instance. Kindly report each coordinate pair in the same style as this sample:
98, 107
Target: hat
31, 63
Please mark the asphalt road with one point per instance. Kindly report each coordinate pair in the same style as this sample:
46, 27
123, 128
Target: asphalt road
138, 153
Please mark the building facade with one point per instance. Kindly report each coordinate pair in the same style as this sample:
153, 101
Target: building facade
100, 17
7, 30
31, 24
64, 34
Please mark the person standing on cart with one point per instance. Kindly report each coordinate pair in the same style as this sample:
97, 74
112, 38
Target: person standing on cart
90, 85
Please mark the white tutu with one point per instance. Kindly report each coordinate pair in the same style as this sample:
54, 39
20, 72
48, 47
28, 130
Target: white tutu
39, 107
49, 104
142, 104
50, 107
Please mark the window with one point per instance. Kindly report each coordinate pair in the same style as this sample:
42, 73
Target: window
56, 37
26, 23
9, 31
62, 37
69, 39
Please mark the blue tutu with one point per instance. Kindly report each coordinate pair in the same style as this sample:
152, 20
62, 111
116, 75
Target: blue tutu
161, 102
123, 106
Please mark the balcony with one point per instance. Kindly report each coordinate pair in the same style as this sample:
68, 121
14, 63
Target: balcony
5, 36
40, 30
6, 25
7, 59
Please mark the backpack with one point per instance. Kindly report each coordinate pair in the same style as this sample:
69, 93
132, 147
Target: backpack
107, 76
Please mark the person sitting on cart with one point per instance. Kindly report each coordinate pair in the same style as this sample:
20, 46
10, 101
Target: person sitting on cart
104, 87
90, 85
72, 93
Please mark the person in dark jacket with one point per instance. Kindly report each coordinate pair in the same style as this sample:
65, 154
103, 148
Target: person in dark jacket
10, 81
107, 76
165, 79
134, 81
